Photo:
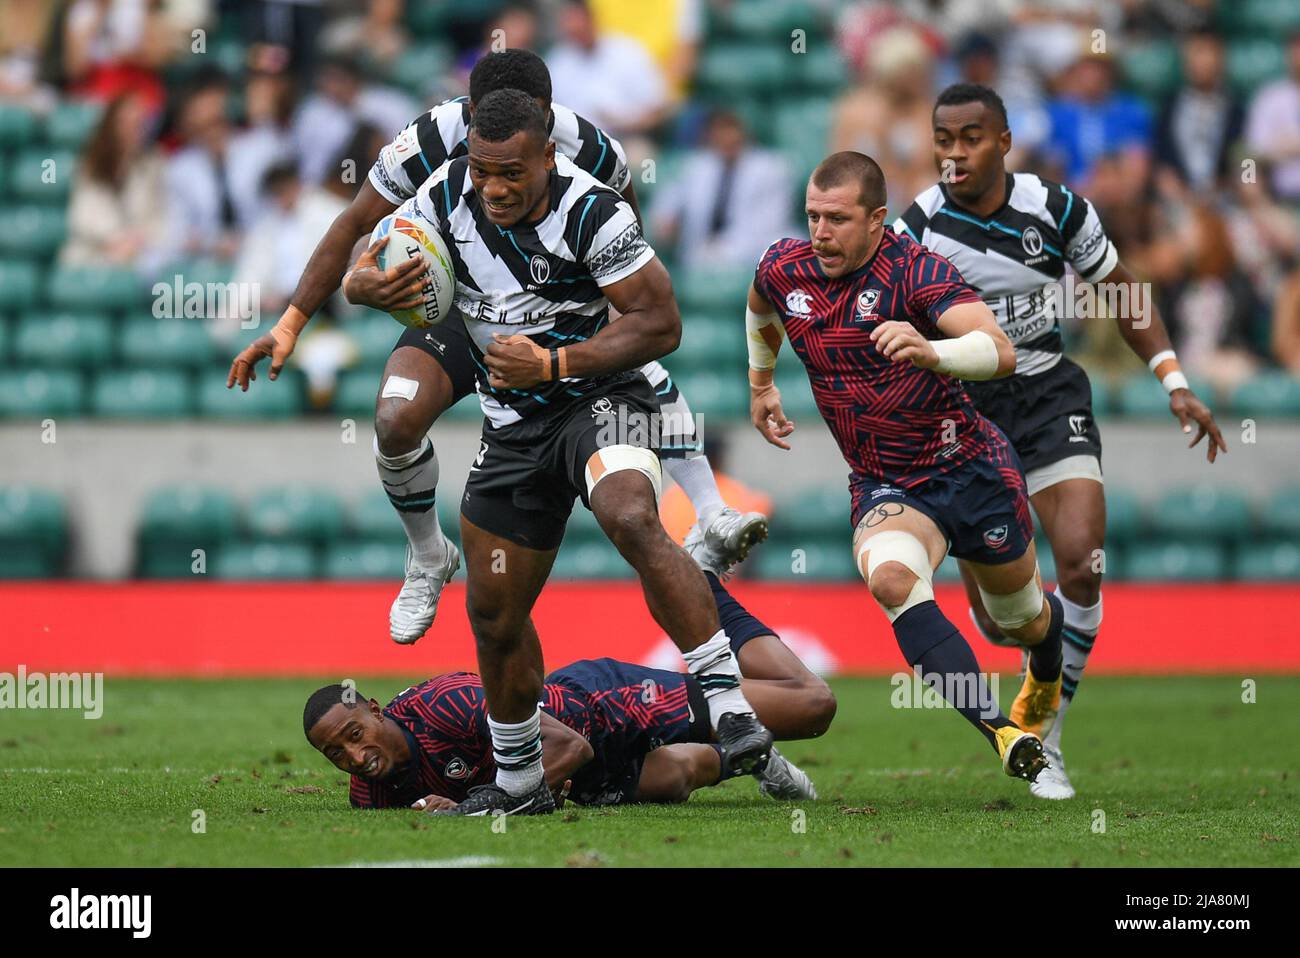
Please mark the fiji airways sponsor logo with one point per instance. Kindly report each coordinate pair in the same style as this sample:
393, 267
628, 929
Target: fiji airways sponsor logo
996, 538
799, 302
74, 911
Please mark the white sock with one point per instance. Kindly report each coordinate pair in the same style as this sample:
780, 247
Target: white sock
695, 476
715, 668
1081, 626
410, 481
517, 750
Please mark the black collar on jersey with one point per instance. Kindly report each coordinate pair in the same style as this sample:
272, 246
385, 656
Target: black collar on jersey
1006, 199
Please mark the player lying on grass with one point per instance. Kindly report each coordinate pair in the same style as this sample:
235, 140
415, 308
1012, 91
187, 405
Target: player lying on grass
617, 732
887, 331
430, 370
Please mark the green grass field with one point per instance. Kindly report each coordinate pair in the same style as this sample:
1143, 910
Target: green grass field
1185, 773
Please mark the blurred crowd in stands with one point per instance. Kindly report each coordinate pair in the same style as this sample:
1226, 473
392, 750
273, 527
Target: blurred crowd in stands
236, 130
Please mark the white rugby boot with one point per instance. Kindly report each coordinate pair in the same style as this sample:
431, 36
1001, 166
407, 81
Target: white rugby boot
1052, 782
416, 605
782, 780
732, 534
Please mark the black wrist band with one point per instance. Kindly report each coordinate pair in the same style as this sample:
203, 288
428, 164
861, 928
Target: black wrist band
555, 364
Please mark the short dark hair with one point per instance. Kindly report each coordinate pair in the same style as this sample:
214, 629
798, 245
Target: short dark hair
324, 699
848, 165
959, 93
500, 115
511, 69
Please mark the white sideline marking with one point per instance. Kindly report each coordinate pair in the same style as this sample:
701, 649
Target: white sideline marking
464, 861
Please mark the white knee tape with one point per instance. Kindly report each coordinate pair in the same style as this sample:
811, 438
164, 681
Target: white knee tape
617, 458
907, 550
1018, 608
395, 387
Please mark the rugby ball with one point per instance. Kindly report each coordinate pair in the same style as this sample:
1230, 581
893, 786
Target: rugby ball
411, 235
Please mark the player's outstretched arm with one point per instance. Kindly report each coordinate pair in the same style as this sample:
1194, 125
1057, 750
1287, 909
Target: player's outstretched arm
320, 278
764, 333
1147, 336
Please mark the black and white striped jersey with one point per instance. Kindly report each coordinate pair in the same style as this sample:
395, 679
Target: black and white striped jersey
435, 137
1015, 255
543, 280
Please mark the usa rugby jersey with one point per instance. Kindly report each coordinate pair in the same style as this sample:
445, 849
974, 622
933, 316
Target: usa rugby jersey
1012, 256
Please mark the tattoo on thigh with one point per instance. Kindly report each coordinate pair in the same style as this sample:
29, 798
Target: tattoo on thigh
886, 510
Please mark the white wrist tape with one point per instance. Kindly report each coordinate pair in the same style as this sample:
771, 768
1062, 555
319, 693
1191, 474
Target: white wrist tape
972, 356
1159, 358
1175, 380
763, 335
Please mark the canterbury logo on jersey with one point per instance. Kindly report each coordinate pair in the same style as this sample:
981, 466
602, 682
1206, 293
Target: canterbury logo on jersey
798, 302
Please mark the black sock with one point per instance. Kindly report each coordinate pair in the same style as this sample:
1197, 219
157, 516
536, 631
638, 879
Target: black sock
722, 765
948, 665
1045, 657
737, 621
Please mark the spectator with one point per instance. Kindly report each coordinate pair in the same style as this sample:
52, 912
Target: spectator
118, 211
1199, 124
202, 174
290, 25
1286, 325
24, 27
513, 27
670, 31
730, 202
1090, 120
978, 60
1273, 128
117, 46
329, 118
266, 140
608, 78
888, 114
377, 35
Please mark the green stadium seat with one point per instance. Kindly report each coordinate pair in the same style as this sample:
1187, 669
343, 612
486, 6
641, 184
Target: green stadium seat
730, 70
821, 511
6, 337
1152, 69
297, 513
710, 343
18, 126
70, 124
1175, 562
583, 527
1280, 517
356, 391
65, 339
593, 559
796, 391
1102, 396
1142, 396
1270, 562
372, 518
19, 284
358, 559
1267, 394
39, 393
1253, 63
771, 19
103, 288
787, 559
418, 68
33, 532
1196, 513
664, 167
1262, 18
427, 19
175, 522
803, 130
375, 334
281, 399
32, 231
142, 394
43, 175
719, 292
167, 342
723, 394
821, 69
264, 561
1123, 515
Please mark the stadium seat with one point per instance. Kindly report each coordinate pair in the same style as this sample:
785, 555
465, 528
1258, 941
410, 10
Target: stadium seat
1142, 396
372, 518
19, 284
18, 126
104, 288
1102, 395
1253, 63
295, 513
710, 343
6, 338
821, 511
281, 399
821, 69
771, 20
1197, 513
719, 292
1151, 69
1261, 18
175, 522
796, 391
39, 393
166, 342
1267, 394
42, 176
722, 394
1280, 517
593, 559
1270, 562
33, 533
1123, 515
142, 394
582, 525
418, 68
730, 70
1175, 562
359, 559
71, 123
64, 339
32, 231
375, 334
803, 128
794, 560
246, 561
356, 391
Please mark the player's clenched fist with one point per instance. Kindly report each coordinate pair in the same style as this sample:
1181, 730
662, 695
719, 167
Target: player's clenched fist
516, 362
398, 287
899, 342
768, 417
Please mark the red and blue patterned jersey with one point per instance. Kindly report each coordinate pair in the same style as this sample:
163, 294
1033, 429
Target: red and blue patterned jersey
623, 710
894, 422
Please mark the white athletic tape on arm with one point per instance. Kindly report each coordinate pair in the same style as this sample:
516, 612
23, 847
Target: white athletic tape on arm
972, 356
758, 330
1017, 609
907, 550
397, 387
617, 458
1175, 380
